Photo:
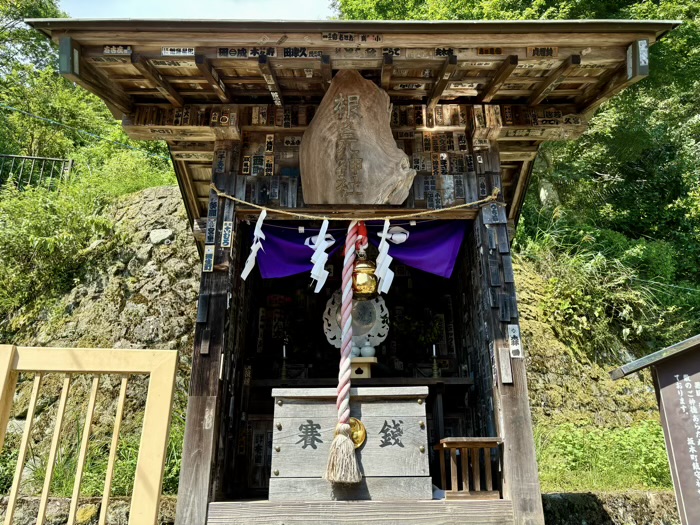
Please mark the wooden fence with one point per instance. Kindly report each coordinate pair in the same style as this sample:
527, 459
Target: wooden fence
466, 483
159, 365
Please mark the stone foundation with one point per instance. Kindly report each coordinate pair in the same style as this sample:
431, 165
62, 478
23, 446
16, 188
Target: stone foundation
624, 508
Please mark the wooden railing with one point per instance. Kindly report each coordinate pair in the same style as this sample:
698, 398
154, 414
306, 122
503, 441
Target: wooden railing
474, 453
159, 365
34, 171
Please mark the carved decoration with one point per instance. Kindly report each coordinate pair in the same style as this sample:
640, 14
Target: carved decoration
348, 154
370, 321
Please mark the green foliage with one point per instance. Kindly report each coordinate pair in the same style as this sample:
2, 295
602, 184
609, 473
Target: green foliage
44, 93
592, 301
44, 238
592, 459
8, 461
94, 473
607, 296
480, 9
17, 43
97, 456
48, 238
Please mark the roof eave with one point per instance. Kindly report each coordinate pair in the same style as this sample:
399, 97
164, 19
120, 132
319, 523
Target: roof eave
660, 27
657, 357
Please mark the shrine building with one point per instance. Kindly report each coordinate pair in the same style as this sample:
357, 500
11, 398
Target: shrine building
353, 189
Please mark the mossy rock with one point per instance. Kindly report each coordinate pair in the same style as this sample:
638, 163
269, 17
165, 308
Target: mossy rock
86, 514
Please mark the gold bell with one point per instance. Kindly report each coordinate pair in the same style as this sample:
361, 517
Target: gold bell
364, 282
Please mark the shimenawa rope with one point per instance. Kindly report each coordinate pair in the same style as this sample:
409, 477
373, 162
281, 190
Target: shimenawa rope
481, 202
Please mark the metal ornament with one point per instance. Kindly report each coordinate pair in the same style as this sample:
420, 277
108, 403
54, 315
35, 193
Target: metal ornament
359, 432
370, 321
364, 280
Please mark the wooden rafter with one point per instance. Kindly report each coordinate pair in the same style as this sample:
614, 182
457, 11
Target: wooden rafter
75, 69
606, 89
554, 79
502, 74
213, 78
151, 73
635, 69
387, 68
446, 72
115, 97
326, 71
270, 80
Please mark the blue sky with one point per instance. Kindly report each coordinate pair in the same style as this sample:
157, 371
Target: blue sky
241, 9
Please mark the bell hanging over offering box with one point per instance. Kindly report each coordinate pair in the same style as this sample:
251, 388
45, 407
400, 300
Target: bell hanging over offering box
364, 282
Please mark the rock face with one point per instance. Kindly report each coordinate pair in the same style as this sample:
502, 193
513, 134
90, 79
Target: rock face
145, 297
160, 235
88, 511
567, 388
143, 294
629, 508
348, 154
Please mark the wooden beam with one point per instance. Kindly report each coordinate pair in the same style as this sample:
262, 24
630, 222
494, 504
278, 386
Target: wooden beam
597, 53
247, 213
326, 71
656, 358
151, 73
189, 193
522, 183
213, 78
387, 68
554, 79
502, 74
75, 69
201, 459
634, 70
270, 80
448, 68
490, 249
605, 91
244, 33
199, 228
409, 512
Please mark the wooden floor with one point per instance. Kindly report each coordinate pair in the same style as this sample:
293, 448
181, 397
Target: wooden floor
498, 512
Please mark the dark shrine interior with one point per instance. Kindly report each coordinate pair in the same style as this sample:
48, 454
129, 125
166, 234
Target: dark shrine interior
424, 310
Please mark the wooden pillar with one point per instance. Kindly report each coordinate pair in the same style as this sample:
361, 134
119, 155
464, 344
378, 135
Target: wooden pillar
500, 322
199, 455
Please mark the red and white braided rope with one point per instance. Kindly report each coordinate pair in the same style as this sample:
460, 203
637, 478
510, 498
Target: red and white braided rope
343, 401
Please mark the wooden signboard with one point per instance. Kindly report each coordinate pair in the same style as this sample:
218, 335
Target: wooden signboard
678, 380
393, 459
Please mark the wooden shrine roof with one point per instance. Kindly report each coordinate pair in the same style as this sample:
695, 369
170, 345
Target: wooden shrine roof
550, 69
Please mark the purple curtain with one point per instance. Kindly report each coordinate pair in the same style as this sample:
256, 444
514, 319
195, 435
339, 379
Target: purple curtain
431, 246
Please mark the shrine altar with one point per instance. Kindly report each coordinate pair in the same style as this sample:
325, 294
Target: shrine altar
391, 443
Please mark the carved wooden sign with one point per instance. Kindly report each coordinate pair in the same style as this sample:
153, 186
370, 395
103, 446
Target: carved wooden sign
348, 154
678, 380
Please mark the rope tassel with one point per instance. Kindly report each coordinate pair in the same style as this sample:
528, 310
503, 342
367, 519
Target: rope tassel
342, 464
